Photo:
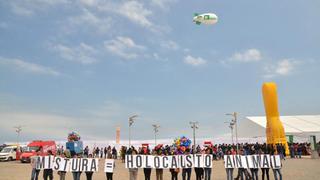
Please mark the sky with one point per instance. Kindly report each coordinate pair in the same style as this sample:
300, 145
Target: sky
87, 65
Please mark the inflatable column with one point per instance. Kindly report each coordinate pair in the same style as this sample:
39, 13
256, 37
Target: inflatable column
274, 131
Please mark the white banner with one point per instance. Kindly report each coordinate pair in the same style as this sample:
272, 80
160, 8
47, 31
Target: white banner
65, 164
44, 162
252, 161
166, 162
109, 165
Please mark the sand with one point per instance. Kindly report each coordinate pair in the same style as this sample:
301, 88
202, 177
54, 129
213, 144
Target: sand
293, 169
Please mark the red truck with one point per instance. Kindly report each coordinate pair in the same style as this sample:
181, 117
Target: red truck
41, 146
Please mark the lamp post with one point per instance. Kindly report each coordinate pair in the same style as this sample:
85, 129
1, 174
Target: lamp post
194, 126
156, 130
231, 126
131, 121
234, 121
18, 131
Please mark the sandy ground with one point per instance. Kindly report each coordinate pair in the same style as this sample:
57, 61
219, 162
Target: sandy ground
303, 169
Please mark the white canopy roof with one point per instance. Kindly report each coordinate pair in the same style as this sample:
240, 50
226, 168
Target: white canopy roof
301, 124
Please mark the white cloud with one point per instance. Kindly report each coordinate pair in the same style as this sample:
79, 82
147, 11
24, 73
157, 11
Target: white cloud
29, 67
169, 45
30, 7
283, 67
83, 53
124, 47
88, 19
20, 10
194, 61
136, 12
250, 55
164, 4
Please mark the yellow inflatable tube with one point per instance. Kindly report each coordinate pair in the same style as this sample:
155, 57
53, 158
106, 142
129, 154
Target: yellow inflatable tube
274, 131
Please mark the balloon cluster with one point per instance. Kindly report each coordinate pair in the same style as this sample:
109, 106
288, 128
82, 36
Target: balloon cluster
182, 144
73, 136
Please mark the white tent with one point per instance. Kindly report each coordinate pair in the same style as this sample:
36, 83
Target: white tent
300, 126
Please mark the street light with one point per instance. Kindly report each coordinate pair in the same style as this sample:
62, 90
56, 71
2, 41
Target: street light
18, 131
156, 130
194, 126
234, 121
131, 121
231, 126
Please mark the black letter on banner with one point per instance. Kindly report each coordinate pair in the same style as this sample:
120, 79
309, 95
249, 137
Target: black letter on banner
198, 156
74, 164
147, 162
276, 158
156, 162
207, 161
57, 163
265, 161
182, 162
229, 162
256, 161
174, 163
84, 164
139, 161
93, 166
238, 161
189, 162
65, 164
165, 162
129, 159
49, 162
40, 162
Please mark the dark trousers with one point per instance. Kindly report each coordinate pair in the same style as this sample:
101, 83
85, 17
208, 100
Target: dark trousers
47, 173
76, 175
147, 173
174, 175
89, 175
199, 173
240, 174
186, 173
265, 171
277, 173
35, 174
109, 176
254, 173
229, 172
207, 173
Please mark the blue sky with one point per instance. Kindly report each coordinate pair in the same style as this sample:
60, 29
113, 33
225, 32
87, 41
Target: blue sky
88, 65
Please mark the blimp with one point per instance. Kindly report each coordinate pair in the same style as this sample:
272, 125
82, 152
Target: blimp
206, 18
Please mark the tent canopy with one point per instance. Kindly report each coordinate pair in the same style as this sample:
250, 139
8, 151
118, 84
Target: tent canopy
302, 124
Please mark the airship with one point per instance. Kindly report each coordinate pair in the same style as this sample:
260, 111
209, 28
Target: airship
206, 18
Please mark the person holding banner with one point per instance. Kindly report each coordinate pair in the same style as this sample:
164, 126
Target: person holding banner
174, 171
207, 171
35, 172
254, 171
48, 173
198, 170
186, 172
277, 171
89, 173
229, 171
146, 171
133, 172
158, 151
266, 149
62, 174
109, 171
76, 174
